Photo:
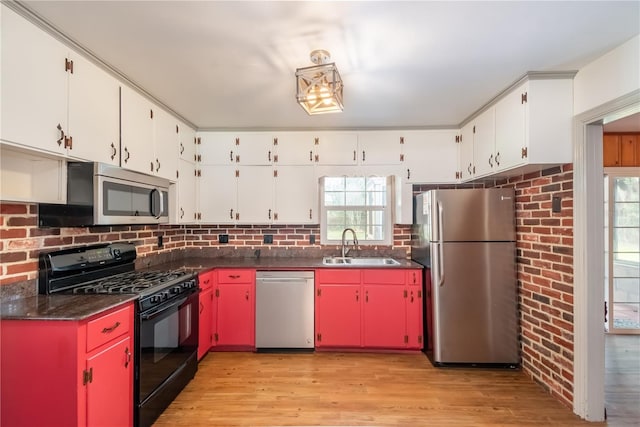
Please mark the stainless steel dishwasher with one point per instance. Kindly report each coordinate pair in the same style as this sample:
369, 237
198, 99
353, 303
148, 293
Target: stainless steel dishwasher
284, 310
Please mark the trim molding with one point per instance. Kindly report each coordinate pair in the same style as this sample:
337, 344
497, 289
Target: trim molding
588, 254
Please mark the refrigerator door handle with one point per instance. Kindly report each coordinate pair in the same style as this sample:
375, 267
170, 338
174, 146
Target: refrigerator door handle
440, 246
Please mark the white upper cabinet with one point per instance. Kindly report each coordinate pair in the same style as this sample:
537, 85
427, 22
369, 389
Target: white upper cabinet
149, 136
217, 194
166, 136
294, 148
53, 99
534, 124
187, 142
465, 153
336, 148
137, 137
236, 148
379, 147
94, 113
34, 86
255, 195
295, 195
484, 142
186, 207
429, 156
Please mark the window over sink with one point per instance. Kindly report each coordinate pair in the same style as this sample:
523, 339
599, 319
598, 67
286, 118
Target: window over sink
362, 203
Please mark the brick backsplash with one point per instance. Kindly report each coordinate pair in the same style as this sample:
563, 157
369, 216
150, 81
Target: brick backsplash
21, 240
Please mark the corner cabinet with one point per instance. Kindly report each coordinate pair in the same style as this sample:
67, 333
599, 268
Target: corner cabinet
206, 313
369, 308
79, 372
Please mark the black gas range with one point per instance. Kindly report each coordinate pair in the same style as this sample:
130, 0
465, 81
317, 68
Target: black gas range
166, 329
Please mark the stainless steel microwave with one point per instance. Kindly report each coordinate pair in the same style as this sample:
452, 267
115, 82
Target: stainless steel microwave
102, 194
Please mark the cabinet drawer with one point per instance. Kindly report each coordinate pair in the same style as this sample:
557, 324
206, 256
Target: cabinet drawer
206, 280
414, 277
108, 327
384, 276
338, 276
236, 276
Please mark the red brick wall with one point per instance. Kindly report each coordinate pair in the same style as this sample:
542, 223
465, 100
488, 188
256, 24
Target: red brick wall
545, 277
21, 240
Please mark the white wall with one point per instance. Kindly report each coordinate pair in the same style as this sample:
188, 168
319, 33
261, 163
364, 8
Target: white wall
609, 77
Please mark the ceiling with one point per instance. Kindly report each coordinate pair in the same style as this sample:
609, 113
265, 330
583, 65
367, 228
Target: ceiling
231, 64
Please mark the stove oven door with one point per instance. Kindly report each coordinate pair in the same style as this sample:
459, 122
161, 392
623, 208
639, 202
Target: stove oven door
168, 343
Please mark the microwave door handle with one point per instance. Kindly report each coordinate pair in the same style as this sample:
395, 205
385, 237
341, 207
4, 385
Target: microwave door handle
162, 212
151, 201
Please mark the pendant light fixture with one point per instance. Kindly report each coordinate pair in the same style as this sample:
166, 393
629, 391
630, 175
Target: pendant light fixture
319, 87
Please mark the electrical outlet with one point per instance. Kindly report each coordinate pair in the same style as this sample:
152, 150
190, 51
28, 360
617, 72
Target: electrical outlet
160, 240
223, 238
312, 239
268, 238
556, 204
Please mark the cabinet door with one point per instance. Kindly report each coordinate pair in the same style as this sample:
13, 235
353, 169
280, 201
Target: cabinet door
611, 150
217, 194
510, 122
336, 148
294, 148
236, 313
384, 318
628, 149
484, 142
186, 142
165, 161
136, 131
186, 212
110, 391
254, 148
94, 113
414, 306
205, 322
34, 85
338, 315
465, 153
255, 194
379, 148
296, 195
218, 148
430, 156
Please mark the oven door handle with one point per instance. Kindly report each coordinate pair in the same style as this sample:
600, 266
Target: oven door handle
149, 316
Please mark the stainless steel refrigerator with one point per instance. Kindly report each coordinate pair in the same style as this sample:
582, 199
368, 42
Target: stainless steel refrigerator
466, 238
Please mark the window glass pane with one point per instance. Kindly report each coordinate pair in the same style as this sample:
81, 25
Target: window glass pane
335, 218
376, 199
376, 183
627, 215
334, 232
355, 218
626, 290
355, 199
626, 240
627, 189
334, 184
355, 184
626, 316
334, 199
626, 264
375, 232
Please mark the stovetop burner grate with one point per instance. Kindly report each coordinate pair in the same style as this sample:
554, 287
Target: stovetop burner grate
133, 282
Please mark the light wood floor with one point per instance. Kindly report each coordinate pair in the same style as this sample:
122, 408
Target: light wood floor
331, 389
622, 379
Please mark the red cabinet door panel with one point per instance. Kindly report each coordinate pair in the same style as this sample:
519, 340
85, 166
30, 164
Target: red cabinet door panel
236, 314
338, 315
414, 302
384, 322
205, 322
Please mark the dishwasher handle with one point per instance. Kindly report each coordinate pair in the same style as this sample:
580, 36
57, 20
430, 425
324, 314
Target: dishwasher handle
281, 280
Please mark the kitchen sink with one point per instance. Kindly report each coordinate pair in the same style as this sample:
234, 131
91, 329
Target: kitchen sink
348, 261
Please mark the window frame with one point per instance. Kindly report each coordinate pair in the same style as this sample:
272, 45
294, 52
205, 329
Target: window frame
388, 212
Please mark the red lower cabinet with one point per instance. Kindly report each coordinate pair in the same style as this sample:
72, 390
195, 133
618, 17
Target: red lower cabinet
234, 302
369, 308
68, 373
338, 315
206, 320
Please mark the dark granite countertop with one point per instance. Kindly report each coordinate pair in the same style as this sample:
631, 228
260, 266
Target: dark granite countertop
201, 264
60, 307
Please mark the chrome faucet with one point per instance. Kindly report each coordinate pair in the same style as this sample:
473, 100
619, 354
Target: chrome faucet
345, 251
